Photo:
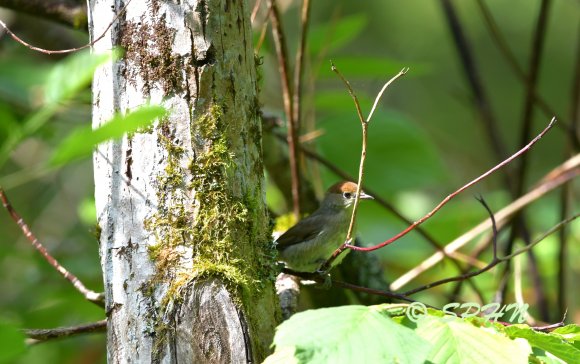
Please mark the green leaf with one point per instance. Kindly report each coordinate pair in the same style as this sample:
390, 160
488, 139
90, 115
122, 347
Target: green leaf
13, 344
349, 334
335, 35
552, 343
73, 74
455, 341
81, 141
368, 67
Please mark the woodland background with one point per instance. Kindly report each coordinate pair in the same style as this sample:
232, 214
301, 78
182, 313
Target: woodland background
426, 139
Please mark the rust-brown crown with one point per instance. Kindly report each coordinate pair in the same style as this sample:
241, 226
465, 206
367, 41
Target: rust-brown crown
342, 187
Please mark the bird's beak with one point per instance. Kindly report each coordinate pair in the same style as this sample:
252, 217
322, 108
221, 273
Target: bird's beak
364, 196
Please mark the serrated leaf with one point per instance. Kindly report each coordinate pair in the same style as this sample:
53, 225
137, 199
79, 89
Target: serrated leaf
552, 343
13, 344
81, 141
455, 341
349, 334
335, 35
568, 332
73, 74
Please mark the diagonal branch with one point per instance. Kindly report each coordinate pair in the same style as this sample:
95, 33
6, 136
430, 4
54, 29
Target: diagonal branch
458, 191
572, 170
67, 12
96, 298
39, 335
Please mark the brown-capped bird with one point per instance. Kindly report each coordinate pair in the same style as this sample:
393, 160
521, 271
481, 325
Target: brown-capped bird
309, 243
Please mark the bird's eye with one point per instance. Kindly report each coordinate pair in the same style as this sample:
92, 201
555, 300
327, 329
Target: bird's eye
347, 195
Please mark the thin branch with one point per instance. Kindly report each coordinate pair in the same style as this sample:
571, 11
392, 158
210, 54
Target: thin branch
299, 66
67, 12
473, 76
566, 194
71, 50
505, 50
39, 335
502, 216
96, 298
364, 125
282, 54
461, 189
496, 260
533, 73
255, 11
322, 279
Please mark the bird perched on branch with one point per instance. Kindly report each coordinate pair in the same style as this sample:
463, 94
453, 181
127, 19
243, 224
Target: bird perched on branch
309, 243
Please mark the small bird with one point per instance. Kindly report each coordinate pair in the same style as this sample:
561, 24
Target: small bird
309, 243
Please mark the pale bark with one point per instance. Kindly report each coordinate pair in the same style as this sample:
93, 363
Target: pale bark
184, 243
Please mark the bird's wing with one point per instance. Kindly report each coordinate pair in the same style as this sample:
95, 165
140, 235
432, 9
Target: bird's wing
305, 230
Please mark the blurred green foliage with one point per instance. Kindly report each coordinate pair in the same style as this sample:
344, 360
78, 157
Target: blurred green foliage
425, 141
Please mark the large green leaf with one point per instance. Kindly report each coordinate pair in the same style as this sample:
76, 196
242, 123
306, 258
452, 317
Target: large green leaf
456, 341
335, 34
348, 334
81, 141
552, 343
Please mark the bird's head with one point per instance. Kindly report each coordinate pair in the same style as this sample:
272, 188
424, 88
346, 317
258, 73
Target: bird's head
342, 195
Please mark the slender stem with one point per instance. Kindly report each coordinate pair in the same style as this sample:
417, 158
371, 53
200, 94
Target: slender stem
505, 50
96, 298
474, 79
364, 125
40, 335
63, 51
282, 54
572, 171
535, 59
495, 261
461, 189
299, 66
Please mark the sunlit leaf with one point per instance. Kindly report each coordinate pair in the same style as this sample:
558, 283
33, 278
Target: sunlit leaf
455, 342
552, 343
349, 334
81, 141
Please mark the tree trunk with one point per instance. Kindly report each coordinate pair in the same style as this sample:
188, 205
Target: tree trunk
185, 243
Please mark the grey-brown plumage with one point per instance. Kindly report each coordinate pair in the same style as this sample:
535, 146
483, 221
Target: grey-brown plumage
309, 243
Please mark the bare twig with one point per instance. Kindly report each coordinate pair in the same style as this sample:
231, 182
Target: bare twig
505, 49
39, 335
62, 51
566, 193
68, 12
496, 260
573, 170
364, 125
96, 298
535, 58
255, 11
282, 54
458, 191
473, 76
321, 278
299, 66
